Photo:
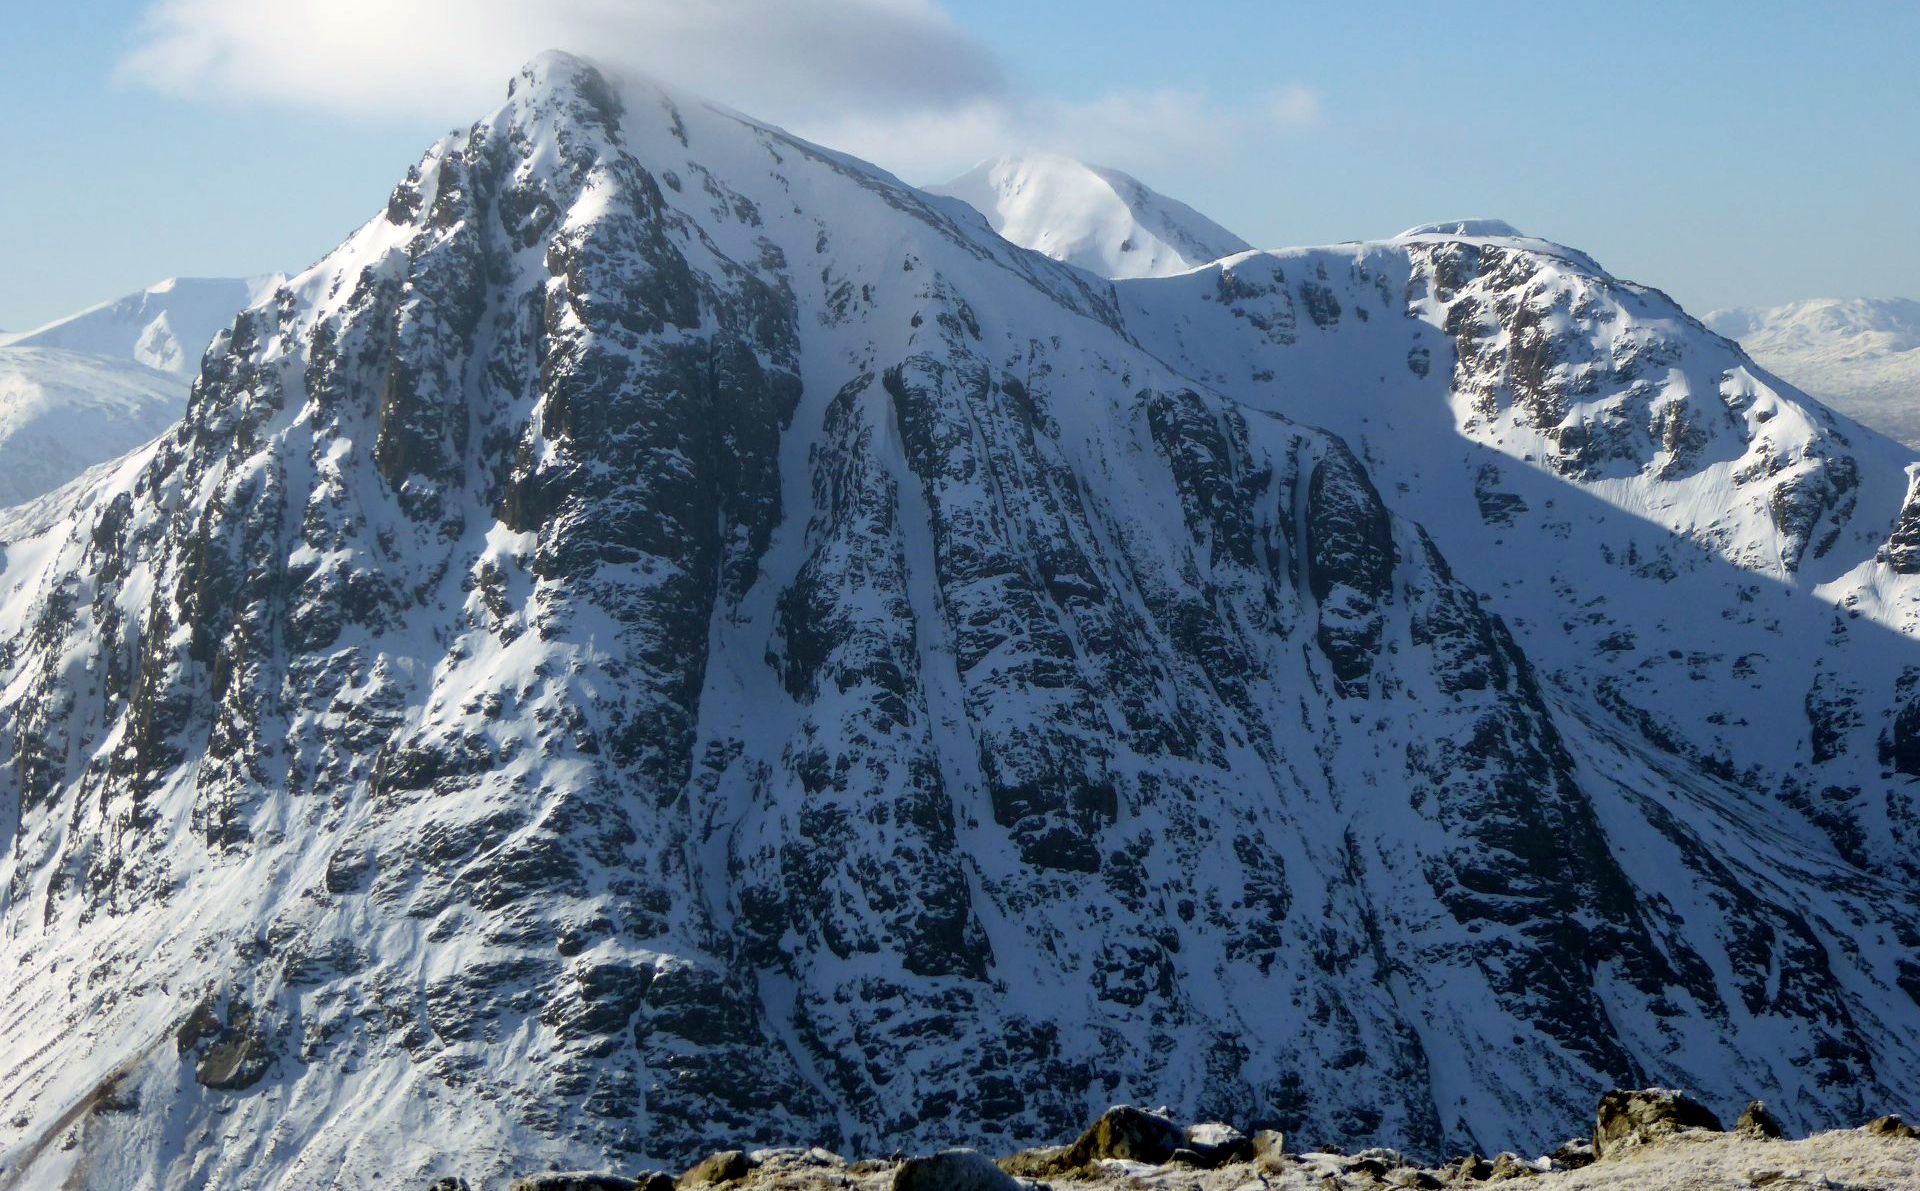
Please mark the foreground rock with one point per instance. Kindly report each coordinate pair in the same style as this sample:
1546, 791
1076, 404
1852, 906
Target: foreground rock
725, 1167
1757, 1120
953, 1170
1653, 1139
581, 1180
1629, 1118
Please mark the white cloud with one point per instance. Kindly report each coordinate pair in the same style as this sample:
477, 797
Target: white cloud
896, 81
447, 58
1167, 130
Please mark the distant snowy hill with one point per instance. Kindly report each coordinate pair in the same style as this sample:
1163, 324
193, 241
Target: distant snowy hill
1860, 355
92, 386
62, 412
1099, 219
166, 326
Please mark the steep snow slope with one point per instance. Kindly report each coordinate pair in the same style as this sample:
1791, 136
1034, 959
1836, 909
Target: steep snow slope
63, 412
1861, 355
1099, 219
164, 327
1677, 538
670, 638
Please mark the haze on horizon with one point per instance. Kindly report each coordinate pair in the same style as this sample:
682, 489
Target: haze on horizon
1732, 155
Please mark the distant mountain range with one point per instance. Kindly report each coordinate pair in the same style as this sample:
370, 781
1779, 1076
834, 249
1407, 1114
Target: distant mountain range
1860, 355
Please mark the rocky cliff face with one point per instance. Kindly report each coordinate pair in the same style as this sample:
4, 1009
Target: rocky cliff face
668, 637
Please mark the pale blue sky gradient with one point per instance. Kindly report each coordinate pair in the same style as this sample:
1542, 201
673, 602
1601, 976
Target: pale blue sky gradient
1728, 153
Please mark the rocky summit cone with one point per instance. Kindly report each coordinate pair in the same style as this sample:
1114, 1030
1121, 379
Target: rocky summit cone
670, 641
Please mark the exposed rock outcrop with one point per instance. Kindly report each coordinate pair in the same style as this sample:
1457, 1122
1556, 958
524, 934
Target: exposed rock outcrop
1629, 1118
727, 1166
1757, 1120
953, 1170
1655, 1140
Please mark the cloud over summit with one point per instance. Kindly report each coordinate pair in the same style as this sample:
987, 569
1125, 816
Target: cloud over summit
437, 57
899, 81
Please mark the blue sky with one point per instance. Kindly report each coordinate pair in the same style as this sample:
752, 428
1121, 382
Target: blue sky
1728, 153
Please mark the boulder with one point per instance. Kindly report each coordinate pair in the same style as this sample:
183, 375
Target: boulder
1211, 1135
727, 1166
1213, 1144
1891, 1126
1269, 1147
1041, 1163
1510, 1166
1629, 1118
1757, 1121
572, 1180
953, 1170
1468, 1168
451, 1182
1128, 1133
1573, 1154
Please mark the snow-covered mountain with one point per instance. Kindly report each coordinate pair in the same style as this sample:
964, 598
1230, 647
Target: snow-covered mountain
1861, 355
670, 638
90, 387
164, 327
63, 412
1099, 219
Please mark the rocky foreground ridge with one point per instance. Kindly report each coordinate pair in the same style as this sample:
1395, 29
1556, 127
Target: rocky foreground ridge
1648, 1138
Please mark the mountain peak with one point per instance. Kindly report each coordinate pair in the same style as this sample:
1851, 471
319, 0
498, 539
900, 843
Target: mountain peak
559, 86
165, 326
1489, 228
555, 71
1100, 219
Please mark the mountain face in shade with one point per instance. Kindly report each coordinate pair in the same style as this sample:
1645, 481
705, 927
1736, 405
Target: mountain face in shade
1099, 219
1861, 355
670, 638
